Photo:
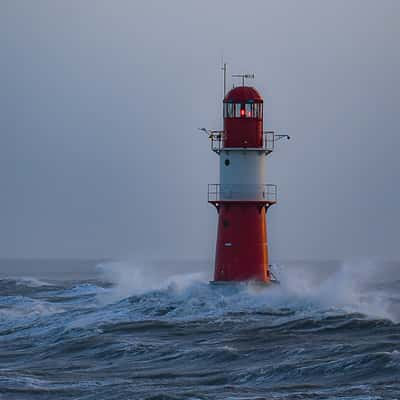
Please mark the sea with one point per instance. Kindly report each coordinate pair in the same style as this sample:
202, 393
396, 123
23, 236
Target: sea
157, 329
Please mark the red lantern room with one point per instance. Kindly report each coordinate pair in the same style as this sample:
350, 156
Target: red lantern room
243, 118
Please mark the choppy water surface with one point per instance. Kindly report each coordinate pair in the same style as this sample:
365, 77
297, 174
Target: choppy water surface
327, 332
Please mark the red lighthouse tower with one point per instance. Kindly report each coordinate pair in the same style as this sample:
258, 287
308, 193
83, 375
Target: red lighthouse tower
242, 197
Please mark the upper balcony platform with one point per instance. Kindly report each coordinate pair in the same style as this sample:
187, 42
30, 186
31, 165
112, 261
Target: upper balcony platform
269, 139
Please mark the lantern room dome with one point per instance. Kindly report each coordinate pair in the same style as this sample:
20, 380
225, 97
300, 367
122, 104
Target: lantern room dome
243, 94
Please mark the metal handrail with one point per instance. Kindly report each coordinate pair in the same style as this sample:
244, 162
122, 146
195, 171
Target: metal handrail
217, 141
237, 192
268, 144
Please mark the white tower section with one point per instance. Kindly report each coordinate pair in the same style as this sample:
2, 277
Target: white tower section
242, 174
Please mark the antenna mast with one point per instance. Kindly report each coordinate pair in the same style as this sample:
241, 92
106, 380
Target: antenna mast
224, 70
243, 76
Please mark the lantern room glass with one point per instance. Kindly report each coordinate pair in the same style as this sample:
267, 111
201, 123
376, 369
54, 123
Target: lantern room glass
243, 110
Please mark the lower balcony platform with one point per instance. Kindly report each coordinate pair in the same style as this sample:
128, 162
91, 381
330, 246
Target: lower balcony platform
249, 193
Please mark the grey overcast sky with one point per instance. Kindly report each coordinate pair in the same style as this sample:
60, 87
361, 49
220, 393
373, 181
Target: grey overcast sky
100, 102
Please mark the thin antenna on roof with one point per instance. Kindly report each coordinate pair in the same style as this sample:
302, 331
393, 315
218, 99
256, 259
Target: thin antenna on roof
243, 76
224, 70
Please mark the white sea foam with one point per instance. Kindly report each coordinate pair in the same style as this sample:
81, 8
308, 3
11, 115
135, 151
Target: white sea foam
28, 281
351, 287
131, 278
347, 288
20, 307
395, 354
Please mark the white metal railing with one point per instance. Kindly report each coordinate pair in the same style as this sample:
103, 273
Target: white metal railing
268, 143
237, 192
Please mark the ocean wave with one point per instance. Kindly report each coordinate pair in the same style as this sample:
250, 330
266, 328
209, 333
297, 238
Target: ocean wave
133, 338
344, 290
28, 281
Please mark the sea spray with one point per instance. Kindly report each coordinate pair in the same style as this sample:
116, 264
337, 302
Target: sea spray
124, 335
135, 278
348, 287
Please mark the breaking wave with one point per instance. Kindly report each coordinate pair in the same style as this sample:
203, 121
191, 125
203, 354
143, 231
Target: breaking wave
328, 330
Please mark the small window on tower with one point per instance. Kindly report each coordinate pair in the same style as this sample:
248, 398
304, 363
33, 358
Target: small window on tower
254, 110
237, 110
230, 113
257, 110
228, 110
248, 110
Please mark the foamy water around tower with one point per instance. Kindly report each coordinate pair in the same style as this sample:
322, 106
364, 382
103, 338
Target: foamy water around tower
349, 287
135, 330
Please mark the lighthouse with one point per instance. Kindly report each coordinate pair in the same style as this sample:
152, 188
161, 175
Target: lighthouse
242, 197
